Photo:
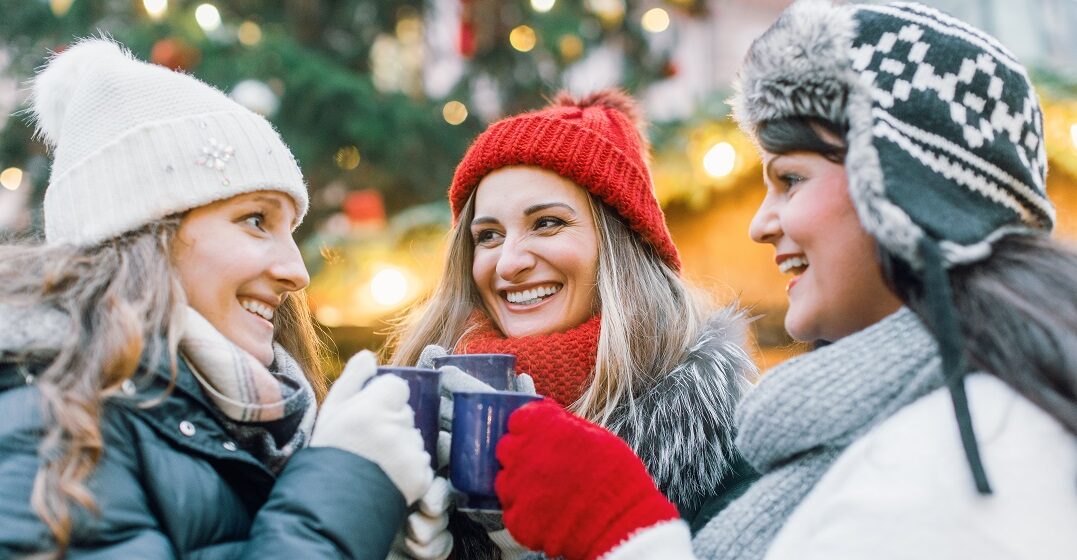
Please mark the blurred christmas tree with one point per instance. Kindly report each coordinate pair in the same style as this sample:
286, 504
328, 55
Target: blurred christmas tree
344, 80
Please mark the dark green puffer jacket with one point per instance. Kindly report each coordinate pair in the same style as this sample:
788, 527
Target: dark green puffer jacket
171, 484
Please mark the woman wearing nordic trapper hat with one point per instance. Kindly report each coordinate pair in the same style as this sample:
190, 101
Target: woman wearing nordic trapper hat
158, 363
904, 164
561, 256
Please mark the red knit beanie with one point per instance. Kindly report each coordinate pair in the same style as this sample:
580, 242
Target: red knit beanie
591, 141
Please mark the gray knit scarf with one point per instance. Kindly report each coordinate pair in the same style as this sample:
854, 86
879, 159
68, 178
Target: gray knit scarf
268, 411
805, 412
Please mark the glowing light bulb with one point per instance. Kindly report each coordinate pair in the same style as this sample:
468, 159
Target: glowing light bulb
155, 8
523, 38
655, 20
1073, 134
454, 112
11, 178
542, 6
720, 160
249, 33
207, 16
389, 287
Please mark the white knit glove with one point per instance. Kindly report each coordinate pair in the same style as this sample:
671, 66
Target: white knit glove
376, 423
426, 534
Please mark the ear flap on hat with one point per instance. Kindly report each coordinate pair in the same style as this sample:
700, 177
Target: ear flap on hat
62, 74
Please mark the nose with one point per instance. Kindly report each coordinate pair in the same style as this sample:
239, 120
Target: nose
288, 268
765, 226
514, 260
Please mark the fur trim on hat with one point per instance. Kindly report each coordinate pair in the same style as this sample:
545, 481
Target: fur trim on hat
820, 61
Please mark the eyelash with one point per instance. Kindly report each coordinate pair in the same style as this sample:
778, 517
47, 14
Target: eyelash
261, 220
790, 179
556, 222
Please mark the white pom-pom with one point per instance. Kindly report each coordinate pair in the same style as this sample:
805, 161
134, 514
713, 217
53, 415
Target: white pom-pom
55, 85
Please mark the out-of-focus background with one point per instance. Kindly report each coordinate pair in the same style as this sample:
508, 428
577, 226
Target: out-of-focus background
379, 100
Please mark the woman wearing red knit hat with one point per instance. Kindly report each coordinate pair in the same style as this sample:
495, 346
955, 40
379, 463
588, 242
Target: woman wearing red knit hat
560, 255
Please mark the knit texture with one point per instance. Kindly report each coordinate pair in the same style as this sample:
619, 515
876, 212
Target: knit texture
561, 364
269, 411
945, 133
134, 142
805, 412
571, 488
593, 142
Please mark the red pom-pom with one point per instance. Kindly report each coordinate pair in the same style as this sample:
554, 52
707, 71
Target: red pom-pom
615, 99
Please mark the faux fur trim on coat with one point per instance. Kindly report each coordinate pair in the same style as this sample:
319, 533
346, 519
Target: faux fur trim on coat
682, 427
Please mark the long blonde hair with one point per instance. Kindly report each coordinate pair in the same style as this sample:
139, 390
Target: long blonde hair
650, 316
123, 302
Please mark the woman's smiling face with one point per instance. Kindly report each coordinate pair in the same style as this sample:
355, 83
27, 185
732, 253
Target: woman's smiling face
237, 261
837, 286
536, 251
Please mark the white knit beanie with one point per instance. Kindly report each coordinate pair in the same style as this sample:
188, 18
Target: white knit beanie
134, 142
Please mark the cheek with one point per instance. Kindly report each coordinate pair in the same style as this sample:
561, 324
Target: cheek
483, 266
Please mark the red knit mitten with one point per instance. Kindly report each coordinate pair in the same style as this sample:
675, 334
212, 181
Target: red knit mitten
571, 488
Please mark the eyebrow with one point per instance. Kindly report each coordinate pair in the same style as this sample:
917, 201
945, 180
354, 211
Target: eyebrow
540, 207
770, 163
527, 212
272, 201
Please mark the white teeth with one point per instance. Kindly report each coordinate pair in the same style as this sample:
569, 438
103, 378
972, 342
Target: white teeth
258, 308
791, 263
534, 295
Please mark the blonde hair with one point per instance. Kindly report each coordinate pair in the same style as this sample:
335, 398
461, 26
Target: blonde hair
123, 301
650, 316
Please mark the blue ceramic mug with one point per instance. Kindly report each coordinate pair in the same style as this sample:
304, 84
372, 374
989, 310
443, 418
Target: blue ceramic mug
424, 400
495, 370
479, 421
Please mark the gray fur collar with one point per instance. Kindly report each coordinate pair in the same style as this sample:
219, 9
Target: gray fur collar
682, 427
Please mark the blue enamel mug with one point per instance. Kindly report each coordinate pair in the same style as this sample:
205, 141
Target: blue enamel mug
423, 385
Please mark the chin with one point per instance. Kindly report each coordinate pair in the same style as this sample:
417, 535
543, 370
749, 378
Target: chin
263, 352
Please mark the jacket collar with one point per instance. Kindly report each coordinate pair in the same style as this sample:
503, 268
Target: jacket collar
682, 426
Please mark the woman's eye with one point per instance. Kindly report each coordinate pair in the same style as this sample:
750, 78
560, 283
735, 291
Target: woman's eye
485, 236
790, 179
256, 221
548, 222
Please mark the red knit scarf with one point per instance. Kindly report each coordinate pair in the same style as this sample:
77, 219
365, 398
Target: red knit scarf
561, 364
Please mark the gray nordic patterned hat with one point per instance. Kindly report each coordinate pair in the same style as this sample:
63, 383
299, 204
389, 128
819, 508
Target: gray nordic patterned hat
945, 149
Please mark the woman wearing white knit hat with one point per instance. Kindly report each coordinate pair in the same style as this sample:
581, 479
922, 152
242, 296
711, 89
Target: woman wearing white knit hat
158, 364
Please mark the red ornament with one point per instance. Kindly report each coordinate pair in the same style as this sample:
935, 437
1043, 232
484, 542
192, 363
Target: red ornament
176, 54
670, 69
466, 41
365, 207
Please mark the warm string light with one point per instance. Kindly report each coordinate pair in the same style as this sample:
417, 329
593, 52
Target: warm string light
155, 8
542, 6
523, 38
207, 16
454, 112
655, 20
389, 286
11, 178
347, 158
60, 7
720, 160
249, 33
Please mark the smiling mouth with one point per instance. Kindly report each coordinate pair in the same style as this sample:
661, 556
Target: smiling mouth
531, 296
794, 265
257, 308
